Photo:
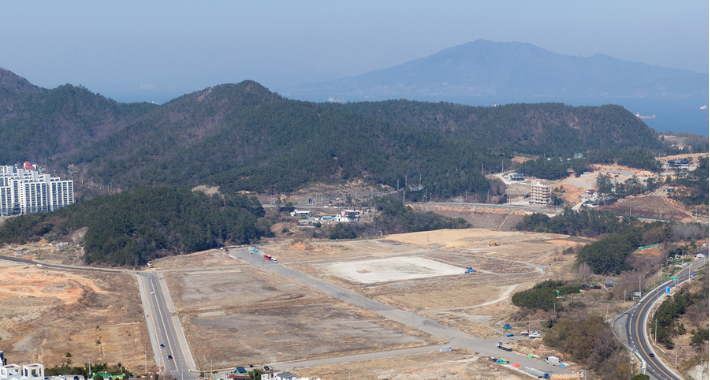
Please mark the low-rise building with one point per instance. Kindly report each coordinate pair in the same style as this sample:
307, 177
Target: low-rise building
514, 176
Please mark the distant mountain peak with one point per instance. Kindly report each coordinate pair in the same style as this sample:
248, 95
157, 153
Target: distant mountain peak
511, 71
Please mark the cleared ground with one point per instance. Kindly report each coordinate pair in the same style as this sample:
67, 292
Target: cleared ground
477, 303
246, 317
649, 206
391, 269
457, 364
206, 259
45, 313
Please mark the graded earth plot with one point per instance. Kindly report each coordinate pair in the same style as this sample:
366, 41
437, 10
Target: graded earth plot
204, 259
243, 317
453, 365
504, 262
316, 251
391, 269
46, 313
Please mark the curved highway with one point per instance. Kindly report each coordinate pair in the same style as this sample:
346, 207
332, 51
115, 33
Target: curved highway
633, 324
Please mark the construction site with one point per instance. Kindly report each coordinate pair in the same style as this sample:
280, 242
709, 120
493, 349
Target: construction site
45, 314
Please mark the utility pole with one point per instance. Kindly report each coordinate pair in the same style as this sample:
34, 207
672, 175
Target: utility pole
676, 355
89, 365
624, 295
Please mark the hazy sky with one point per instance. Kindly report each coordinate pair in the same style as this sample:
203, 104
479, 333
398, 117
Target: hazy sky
157, 50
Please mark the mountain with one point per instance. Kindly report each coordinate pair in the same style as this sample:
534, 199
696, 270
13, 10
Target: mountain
485, 73
245, 137
37, 123
510, 70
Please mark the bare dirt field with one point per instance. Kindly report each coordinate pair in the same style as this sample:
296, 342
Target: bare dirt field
390, 269
457, 364
210, 258
46, 313
649, 206
504, 261
70, 254
247, 317
478, 217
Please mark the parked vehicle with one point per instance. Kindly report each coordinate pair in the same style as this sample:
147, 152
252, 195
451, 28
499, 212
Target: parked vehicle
504, 348
273, 260
509, 335
267, 257
537, 372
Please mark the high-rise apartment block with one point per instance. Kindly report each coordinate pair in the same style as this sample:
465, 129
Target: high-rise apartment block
26, 189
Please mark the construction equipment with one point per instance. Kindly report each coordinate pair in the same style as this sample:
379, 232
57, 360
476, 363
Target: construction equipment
470, 270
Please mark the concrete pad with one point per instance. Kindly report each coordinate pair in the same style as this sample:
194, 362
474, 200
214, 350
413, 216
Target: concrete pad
390, 269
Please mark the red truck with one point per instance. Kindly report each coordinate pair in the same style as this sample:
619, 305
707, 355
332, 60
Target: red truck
267, 257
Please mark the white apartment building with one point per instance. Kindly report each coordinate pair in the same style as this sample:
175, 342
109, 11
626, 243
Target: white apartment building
539, 194
28, 190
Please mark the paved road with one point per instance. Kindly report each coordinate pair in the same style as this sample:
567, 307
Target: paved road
165, 331
455, 337
632, 326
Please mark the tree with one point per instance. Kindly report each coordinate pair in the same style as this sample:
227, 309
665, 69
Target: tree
98, 377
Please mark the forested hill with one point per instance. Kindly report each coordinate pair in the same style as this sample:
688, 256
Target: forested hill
37, 124
529, 128
244, 137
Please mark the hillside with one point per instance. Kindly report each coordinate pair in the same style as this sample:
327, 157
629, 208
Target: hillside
550, 128
244, 137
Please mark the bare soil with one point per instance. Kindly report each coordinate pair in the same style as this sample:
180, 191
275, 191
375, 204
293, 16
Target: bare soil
209, 258
457, 364
649, 206
271, 319
45, 313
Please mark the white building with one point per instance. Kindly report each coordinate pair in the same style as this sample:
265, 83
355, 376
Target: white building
27, 190
28, 371
539, 194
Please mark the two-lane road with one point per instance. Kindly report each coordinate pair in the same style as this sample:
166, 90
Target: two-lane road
633, 324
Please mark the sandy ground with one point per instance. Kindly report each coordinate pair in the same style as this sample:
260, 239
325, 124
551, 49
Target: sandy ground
45, 314
247, 317
457, 364
391, 269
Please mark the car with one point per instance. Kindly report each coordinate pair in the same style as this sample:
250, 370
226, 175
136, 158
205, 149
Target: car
509, 334
266, 368
653, 355
152, 293
511, 339
39, 265
170, 357
162, 345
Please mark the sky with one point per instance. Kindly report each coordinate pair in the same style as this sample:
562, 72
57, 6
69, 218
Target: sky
158, 50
